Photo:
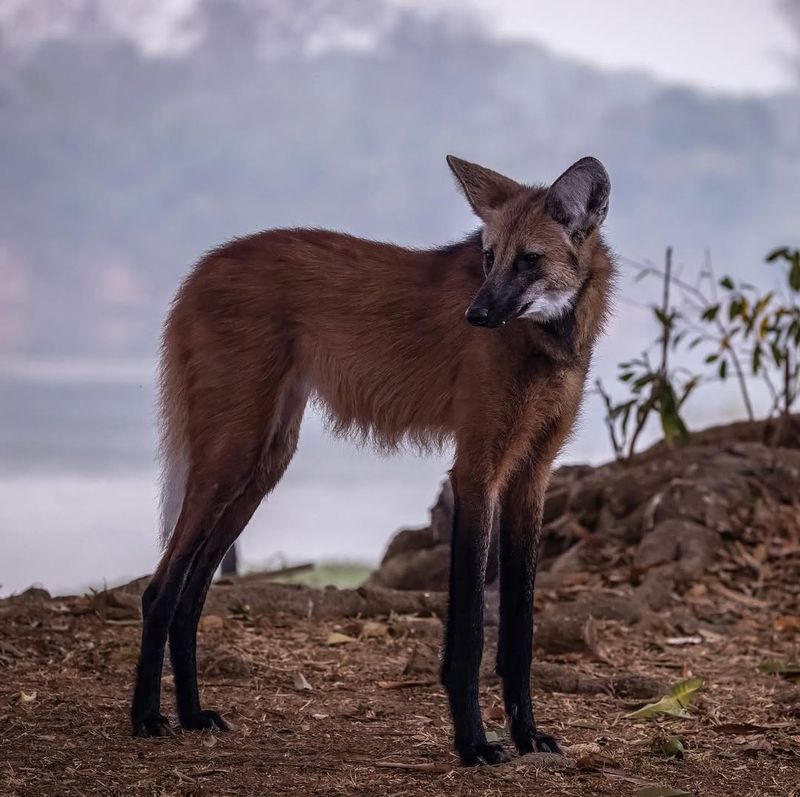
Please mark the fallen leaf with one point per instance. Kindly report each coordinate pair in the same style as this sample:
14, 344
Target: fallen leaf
337, 638
787, 623
495, 736
788, 670
211, 621
758, 745
496, 713
660, 791
301, 683
596, 762
208, 740
374, 630
674, 703
694, 639
27, 697
403, 684
671, 746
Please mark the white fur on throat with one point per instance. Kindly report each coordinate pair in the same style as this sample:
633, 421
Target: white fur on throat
549, 305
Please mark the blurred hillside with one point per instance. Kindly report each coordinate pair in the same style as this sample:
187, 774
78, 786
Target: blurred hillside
120, 166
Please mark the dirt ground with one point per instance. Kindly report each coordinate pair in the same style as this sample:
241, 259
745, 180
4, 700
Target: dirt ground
352, 706
680, 563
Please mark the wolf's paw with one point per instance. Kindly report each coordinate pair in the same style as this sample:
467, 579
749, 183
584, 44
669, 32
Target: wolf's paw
205, 720
152, 725
537, 742
483, 753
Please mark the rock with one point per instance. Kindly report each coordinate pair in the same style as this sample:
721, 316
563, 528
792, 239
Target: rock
426, 568
221, 664
408, 540
691, 545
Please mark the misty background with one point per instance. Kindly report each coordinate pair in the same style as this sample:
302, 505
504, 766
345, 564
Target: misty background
134, 135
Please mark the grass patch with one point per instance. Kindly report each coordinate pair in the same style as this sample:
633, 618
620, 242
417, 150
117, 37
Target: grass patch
345, 575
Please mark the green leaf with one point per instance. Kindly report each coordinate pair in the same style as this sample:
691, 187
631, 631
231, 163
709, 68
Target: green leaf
662, 317
674, 703
711, 358
660, 791
643, 381
789, 670
756, 359
672, 747
710, 313
687, 389
779, 254
762, 303
723, 369
726, 282
794, 276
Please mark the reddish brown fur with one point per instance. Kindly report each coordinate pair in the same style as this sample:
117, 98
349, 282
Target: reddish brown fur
377, 333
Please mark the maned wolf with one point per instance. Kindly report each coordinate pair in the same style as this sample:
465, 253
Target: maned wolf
377, 335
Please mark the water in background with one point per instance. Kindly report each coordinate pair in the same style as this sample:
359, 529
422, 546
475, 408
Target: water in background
78, 484
78, 480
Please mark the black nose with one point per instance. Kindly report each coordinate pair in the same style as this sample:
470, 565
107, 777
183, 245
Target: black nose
478, 316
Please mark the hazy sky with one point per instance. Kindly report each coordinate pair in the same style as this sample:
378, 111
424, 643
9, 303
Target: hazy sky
730, 45
733, 45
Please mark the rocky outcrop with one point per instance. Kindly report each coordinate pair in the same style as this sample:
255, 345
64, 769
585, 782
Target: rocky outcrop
638, 531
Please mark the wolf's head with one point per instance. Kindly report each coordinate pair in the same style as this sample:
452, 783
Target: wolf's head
534, 239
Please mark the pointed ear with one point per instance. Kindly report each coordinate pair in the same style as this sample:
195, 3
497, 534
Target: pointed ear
484, 189
579, 198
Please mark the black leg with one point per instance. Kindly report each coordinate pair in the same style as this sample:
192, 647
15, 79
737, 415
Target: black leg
520, 529
158, 607
183, 631
464, 633
183, 652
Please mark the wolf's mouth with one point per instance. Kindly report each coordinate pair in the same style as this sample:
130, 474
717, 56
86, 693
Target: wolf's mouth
523, 309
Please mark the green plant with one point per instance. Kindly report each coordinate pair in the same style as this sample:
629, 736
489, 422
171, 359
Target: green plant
655, 388
757, 334
749, 334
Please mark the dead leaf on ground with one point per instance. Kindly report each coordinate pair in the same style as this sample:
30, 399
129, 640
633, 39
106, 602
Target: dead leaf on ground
211, 621
337, 638
758, 745
596, 762
301, 683
374, 630
403, 684
694, 639
786, 623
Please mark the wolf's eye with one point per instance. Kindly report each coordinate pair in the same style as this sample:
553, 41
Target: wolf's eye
532, 259
528, 262
488, 261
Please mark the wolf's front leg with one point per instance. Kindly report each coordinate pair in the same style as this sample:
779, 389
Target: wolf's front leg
464, 633
520, 530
